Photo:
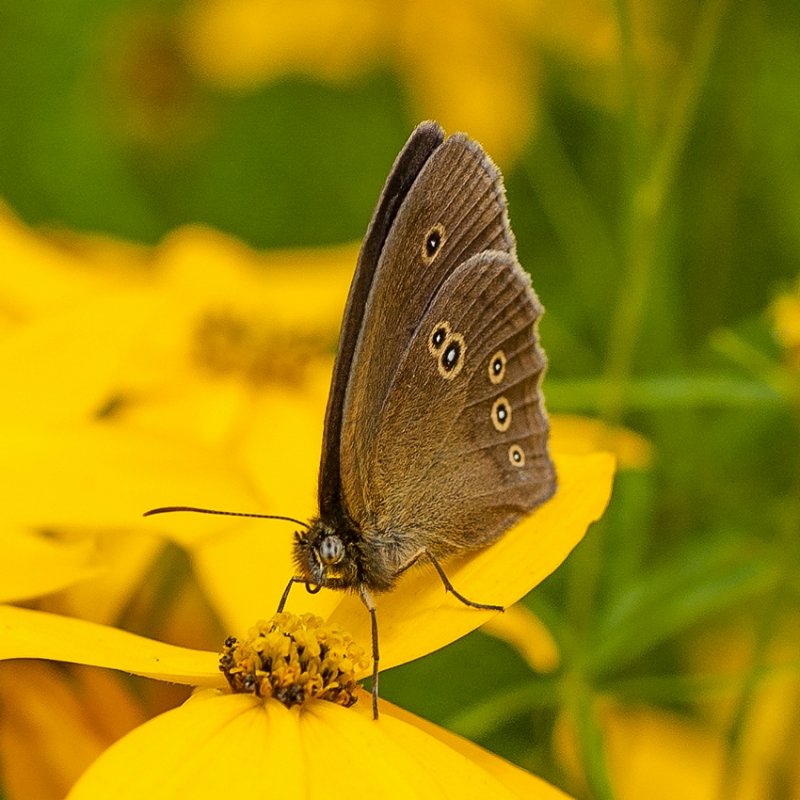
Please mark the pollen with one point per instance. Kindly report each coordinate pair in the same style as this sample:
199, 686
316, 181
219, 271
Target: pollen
294, 659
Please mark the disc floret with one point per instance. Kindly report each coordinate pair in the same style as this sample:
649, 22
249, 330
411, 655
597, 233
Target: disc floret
294, 659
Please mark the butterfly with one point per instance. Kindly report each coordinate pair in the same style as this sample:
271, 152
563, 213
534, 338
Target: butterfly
436, 436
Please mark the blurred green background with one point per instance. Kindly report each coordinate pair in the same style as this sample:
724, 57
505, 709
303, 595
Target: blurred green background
651, 153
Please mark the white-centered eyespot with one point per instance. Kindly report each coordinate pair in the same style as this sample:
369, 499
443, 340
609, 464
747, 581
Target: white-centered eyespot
437, 338
451, 360
516, 455
501, 414
497, 367
432, 244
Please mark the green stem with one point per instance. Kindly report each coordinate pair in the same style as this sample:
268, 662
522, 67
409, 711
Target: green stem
581, 706
645, 207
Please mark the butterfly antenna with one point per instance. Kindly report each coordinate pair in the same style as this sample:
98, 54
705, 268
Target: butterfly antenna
170, 509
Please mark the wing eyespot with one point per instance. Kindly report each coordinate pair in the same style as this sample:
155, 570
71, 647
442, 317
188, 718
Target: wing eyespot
501, 414
450, 360
497, 367
438, 337
516, 456
433, 242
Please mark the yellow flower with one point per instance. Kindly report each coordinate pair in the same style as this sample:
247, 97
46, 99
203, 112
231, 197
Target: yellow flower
658, 753
132, 387
765, 763
52, 273
220, 744
212, 741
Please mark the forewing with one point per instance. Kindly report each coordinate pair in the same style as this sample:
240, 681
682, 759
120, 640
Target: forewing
457, 203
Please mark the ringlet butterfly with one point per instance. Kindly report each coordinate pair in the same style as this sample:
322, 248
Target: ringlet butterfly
436, 437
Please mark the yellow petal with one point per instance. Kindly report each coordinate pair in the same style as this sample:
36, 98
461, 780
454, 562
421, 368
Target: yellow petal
213, 746
419, 617
527, 634
33, 565
252, 282
35, 634
517, 780
389, 758
64, 367
126, 559
235, 745
101, 475
244, 572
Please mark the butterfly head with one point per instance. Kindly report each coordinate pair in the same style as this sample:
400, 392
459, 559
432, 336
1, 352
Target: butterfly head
327, 555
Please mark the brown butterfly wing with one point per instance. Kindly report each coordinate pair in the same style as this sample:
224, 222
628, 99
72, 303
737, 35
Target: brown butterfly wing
448, 469
457, 196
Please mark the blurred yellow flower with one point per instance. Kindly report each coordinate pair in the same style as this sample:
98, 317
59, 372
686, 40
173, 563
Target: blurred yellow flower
50, 274
34, 564
658, 753
474, 65
133, 386
765, 762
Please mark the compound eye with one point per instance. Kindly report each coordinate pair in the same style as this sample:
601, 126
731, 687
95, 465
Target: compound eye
331, 550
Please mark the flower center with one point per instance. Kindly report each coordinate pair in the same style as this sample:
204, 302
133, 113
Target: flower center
227, 343
294, 659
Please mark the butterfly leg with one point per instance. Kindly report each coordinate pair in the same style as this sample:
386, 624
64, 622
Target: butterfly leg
450, 588
367, 600
411, 561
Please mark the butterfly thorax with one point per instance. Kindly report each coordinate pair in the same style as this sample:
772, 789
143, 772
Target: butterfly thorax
336, 555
